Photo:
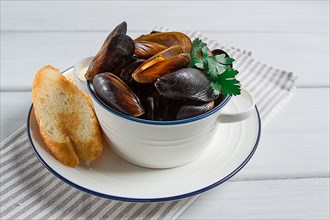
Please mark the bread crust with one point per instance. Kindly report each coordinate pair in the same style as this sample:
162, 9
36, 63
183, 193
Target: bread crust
67, 122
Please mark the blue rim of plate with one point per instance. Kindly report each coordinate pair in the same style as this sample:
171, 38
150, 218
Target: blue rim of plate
162, 199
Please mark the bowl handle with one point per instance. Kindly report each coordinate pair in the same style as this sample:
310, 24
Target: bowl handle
241, 115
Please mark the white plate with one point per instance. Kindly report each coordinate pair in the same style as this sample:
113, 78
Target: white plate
112, 177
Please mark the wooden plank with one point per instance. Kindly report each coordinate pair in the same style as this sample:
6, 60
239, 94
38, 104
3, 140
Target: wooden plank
295, 143
24, 53
290, 52
274, 199
14, 111
225, 16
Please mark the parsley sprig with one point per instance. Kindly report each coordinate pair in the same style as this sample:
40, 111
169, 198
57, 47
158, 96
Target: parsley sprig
216, 67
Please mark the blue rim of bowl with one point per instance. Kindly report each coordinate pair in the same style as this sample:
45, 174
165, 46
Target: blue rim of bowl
127, 199
145, 121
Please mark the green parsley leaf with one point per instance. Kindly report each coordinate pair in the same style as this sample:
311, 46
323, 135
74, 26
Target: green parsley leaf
229, 85
199, 65
224, 60
213, 69
196, 61
197, 45
215, 86
205, 52
216, 67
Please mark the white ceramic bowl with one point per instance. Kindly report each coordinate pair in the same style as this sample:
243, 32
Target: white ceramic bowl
163, 144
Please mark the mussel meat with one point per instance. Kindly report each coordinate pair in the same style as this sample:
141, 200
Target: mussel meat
189, 111
161, 64
169, 39
186, 84
112, 57
116, 94
147, 49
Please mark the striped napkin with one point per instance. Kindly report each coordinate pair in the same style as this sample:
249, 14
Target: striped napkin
30, 191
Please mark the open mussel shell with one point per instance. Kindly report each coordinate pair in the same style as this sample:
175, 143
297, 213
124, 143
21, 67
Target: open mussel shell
168, 53
192, 110
161, 64
169, 39
151, 74
186, 84
126, 73
147, 49
118, 51
116, 94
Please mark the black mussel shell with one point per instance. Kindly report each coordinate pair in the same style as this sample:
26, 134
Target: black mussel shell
149, 104
120, 29
116, 94
155, 32
113, 57
186, 84
126, 73
189, 111
167, 109
149, 99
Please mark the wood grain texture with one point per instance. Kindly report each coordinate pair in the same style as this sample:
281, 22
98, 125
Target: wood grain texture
15, 107
25, 53
273, 199
225, 16
295, 144
288, 177
35, 33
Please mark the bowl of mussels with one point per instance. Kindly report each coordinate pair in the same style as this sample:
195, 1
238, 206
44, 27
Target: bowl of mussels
159, 97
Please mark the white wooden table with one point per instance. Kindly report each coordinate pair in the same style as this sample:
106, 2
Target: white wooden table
288, 177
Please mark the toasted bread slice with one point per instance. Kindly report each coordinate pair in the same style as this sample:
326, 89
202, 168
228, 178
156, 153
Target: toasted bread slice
66, 120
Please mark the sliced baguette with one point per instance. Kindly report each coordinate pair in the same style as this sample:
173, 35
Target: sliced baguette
66, 120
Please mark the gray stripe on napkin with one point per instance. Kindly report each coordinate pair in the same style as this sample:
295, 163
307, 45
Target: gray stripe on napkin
14, 137
20, 140
54, 209
154, 211
17, 156
28, 190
